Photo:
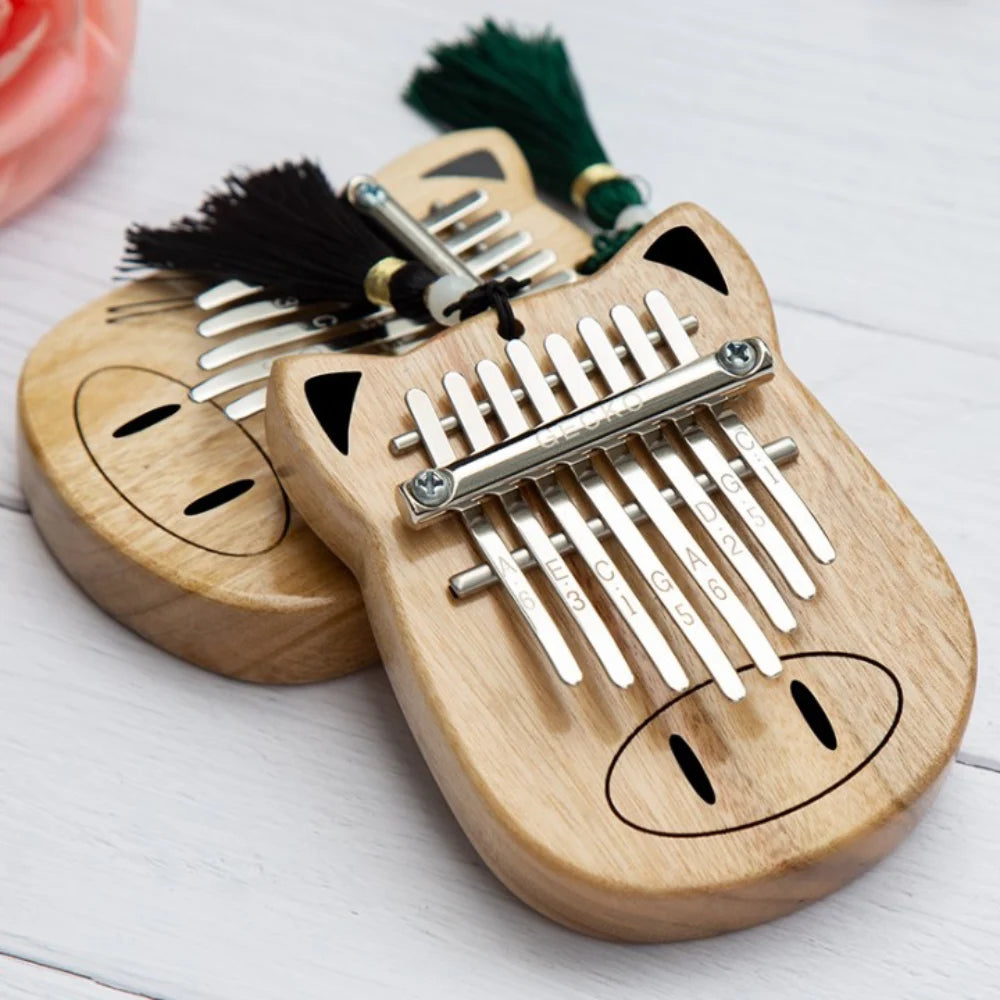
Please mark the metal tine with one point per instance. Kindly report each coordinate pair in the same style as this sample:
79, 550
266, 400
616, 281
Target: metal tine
247, 405
474, 579
536, 538
254, 402
398, 330
233, 290
531, 265
225, 292
269, 338
583, 539
756, 520
402, 443
674, 467
246, 374
557, 280
233, 378
692, 627
476, 232
664, 518
500, 252
447, 215
251, 312
494, 551
253, 371
744, 441
712, 459
288, 333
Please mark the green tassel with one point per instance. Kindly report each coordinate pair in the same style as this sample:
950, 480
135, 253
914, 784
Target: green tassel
526, 86
606, 245
606, 200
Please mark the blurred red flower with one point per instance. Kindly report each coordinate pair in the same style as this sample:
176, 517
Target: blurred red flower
62, 67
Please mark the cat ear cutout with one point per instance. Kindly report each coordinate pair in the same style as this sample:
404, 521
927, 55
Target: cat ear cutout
682, 249
478, 163
331, 399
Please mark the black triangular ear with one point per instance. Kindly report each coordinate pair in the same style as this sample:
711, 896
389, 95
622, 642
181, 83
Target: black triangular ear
682, 249
478, 163
331, 398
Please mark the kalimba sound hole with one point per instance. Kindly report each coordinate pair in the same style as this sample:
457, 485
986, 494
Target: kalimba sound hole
218, 497
812, 711
144, 420
687, 761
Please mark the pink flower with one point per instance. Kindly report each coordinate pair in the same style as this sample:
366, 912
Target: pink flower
62, 67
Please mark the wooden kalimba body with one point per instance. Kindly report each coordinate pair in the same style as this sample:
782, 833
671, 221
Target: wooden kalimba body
677, 656
142, 446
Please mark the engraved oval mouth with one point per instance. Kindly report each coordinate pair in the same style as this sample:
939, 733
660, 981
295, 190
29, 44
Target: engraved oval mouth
184, 466
701, 765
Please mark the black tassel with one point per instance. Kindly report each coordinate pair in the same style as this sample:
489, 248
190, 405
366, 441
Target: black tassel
284, 228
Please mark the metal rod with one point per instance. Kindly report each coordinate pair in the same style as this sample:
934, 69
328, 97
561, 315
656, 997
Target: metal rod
476, 578
533, 454
372, 199
409, 440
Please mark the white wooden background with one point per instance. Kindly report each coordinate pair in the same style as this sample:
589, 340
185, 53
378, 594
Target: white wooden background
168, 834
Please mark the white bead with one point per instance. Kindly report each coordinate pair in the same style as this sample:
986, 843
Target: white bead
443, 292
633, 215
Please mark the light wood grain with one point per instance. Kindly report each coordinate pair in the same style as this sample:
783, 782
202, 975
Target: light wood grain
523, 761
190, 838
245, 589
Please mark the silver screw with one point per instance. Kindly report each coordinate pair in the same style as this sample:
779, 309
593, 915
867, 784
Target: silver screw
368, 194
738, 357
431, 487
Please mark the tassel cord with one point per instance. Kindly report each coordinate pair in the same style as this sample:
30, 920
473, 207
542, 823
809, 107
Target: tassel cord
493, 295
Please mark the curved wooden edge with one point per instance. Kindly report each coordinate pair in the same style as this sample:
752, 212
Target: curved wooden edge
290, 615
522, 759
629, 917
288, 644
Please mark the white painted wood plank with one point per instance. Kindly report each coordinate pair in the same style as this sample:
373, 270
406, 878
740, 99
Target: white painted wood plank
21, 980
189, 837
852, 147
927, 418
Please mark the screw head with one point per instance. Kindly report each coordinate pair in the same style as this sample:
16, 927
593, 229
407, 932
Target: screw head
738, 357
369, 194
431, 487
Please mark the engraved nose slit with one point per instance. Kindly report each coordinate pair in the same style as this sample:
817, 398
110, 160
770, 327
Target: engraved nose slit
578, 459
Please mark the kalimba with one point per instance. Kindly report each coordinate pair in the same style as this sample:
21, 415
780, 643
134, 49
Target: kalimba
142, 445
677, 656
